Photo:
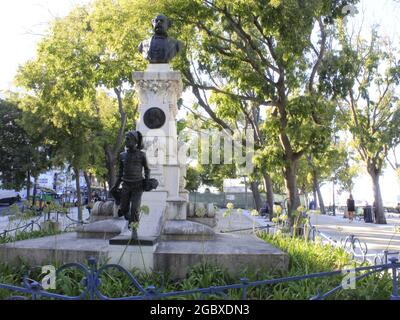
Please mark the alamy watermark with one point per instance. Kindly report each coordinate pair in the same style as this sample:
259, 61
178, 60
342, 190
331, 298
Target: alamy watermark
205, 146
349, 278
49, 280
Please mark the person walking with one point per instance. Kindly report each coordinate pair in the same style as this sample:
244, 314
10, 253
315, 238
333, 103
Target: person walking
265, 210
351, 207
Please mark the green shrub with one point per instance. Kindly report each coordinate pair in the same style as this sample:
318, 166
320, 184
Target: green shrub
24, 235
305, 258
313, 257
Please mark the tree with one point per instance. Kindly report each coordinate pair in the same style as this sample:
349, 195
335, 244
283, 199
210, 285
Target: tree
14, 147
91, 54
193, 180
370, 101
346, 174
262, 54
22, 155
85, 58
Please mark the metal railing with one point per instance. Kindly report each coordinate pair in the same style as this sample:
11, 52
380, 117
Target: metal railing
28, 226
92, 284
351, 244
46, 216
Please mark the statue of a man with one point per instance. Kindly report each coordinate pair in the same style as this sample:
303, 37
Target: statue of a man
160, 48
132, 163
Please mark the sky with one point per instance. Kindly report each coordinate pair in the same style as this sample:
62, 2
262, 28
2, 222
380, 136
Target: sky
23, 23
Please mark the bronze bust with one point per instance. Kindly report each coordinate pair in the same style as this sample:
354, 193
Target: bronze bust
160, 48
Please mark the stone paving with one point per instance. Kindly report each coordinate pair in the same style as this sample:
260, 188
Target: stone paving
377, 237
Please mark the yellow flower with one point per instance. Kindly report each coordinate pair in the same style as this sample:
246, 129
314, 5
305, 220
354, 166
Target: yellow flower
300, 209
278, 209
230, 205
254, 212
283, 217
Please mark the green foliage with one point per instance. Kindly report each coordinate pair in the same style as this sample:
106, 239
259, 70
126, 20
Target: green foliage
82, 58
254, 64
24, 235
368, 100
21, 152
193, 180
305, 258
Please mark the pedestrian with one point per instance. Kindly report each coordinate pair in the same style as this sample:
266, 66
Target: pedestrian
312, 205
265, 209
351, 207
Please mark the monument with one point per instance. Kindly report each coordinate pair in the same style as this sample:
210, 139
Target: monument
165, 240
159, 89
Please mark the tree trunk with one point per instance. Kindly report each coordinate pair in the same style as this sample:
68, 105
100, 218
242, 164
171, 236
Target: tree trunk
291, 187
270, 193
28, 184
321, 200
88, 179
256, 194
111, 153
34, 192
318, 191
378, 204
314, 195
110, 165
78, 194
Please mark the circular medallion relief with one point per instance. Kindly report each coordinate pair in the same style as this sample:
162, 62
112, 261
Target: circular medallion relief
154, 118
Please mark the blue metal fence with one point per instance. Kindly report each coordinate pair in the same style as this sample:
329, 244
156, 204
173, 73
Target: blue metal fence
92, 284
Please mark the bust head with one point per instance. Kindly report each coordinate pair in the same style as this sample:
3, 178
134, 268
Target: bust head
160, 48
161, 24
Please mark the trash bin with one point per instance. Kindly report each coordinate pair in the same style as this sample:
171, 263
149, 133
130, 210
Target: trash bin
368, 214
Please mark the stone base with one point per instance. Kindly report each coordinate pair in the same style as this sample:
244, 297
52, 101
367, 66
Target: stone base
67, 248
52, 226
236, 253
211, 222
103, 229
150, 224
184, 230
127, 240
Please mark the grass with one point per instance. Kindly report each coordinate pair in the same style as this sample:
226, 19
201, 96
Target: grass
312, 257
24, 235
305, 258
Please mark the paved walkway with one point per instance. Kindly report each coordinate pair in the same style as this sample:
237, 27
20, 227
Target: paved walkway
377, 237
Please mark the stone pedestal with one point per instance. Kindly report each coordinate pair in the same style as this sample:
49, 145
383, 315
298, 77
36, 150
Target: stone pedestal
159, 88
102, 229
